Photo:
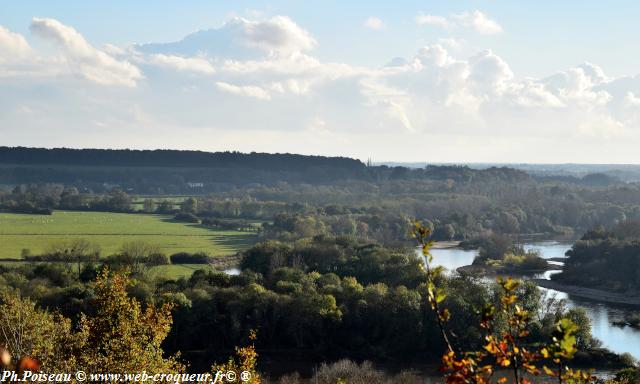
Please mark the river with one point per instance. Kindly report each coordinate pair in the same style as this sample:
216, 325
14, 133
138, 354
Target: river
615, 338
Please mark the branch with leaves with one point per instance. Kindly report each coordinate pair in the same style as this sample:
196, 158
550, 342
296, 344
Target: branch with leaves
505, 349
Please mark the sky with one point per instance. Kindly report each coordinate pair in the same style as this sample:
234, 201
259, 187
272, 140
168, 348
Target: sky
416, 81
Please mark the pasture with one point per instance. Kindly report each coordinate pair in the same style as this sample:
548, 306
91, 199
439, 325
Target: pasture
111, 230
175, 271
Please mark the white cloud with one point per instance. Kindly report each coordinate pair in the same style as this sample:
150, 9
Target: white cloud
187, 64
580, 85
244, 90
437, 21
489, 72
13, 46
84, 59
374, 23
279, 34
475, 20
451, 43
434, 55
472, 105
479, 22
632, 100
240, 38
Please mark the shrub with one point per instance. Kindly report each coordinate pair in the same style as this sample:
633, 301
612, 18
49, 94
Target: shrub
186, 217
190, 258
157, 258
628, 376
347, 371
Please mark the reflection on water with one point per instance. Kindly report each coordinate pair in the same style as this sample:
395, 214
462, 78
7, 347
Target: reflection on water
617, 339
452, 258
549, 249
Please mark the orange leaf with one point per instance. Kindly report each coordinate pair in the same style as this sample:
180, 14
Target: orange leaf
28, 364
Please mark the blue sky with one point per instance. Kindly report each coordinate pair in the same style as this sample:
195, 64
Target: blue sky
543, 36
485, 80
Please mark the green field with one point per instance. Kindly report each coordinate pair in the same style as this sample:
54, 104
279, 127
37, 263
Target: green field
111, 230
175, 271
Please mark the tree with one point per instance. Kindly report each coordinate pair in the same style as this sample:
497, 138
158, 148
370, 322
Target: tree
189, 205
444, 232
245, 360
165, 206
118, 200
123, 337
79, 251
70, 198
83, 251
506, 325
148, 205
135, 254
29, 332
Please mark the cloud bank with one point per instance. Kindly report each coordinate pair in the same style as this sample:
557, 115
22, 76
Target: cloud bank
256, 85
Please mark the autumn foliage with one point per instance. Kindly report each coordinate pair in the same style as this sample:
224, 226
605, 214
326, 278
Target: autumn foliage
505, 347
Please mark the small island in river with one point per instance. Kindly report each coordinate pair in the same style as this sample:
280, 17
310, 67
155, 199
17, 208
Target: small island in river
499, 255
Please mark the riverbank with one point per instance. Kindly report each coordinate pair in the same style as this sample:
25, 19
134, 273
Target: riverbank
487, 270
590, 293
445, 244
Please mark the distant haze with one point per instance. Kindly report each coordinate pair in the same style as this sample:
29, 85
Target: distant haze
624, 172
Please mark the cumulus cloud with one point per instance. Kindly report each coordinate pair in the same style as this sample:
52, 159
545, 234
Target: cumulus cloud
240, 38
279, 34
374, 23
470, 103
437, 21
435, 55
478, 21
84, 59
632, 100
475, 20
244, 90
186, 64
489, 72
13, 46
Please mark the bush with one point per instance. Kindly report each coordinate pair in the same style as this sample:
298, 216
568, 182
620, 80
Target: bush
628, 376
190, 258
528, 261
157, 259
30, 208
186, 217
493, 247
347, 371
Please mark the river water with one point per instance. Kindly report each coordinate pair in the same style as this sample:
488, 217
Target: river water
615, 338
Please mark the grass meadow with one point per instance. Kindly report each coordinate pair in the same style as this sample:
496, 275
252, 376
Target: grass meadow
111, 230
175, 271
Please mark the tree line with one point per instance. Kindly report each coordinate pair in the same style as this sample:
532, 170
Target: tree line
605, 258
